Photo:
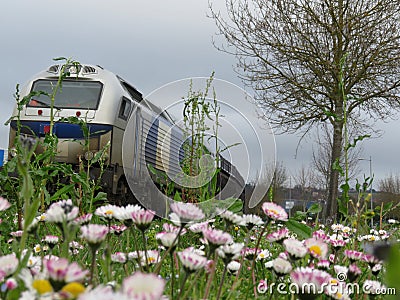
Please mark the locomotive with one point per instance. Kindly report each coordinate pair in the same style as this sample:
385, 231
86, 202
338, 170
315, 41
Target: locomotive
106, 102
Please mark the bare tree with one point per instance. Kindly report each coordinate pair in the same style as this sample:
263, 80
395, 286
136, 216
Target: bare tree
304, 177
275, 189
390, 184
280, 175
317, 61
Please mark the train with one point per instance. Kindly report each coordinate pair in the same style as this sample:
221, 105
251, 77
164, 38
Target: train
109, 105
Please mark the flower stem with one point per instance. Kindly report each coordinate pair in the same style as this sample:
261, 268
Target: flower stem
194, 280
145, 250
136, 248
172, 274
222, 282
183, 285
211, 277
253, 263
158, 267
247, 238
92, 266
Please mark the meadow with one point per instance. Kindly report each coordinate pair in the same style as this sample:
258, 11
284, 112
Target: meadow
66, 239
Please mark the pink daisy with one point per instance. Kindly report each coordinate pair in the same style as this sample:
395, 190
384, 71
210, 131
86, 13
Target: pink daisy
295, 248
353, 272
94, 234
83, 220
370, 259
274, 211
61, 211
191, 261
281, 266
4, 204
119, 257
142, 218
185, 212
320, 235
108, 211
143, 286
250, 221
353, 255
310, 282
60, 270
373, 287
167, 239
217, 237
250, 253
278, 236
336, 244
51, 240
317, 248
229, 252
8, 265
171, 228
323, 264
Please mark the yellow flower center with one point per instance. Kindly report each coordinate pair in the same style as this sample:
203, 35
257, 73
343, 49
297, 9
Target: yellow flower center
274, 211
315, 249
151, 260
74, 289
42, 286
108, 212
334, 281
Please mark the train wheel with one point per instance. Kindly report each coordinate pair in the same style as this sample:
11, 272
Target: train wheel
124, 194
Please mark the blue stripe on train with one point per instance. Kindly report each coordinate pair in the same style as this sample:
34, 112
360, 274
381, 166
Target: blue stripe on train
61, 130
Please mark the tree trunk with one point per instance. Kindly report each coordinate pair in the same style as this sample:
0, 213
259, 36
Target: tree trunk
332, 204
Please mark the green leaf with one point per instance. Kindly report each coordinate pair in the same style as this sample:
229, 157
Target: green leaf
342, 206
237, 206
177, 197
359, 138
64, 190
299, 215
9, 120
387, 206
328, 113
101, 196
315, 208
337, 167
47, 196
345, 187
301, 230
392, 271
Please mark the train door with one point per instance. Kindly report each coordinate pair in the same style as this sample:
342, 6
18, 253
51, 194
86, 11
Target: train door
121, 120
130, 145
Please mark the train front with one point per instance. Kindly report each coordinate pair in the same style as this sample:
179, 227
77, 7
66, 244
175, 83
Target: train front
79, 95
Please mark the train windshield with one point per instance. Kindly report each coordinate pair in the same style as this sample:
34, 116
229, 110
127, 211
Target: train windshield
73, 94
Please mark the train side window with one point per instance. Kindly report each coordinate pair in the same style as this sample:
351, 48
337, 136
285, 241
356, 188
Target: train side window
125, 109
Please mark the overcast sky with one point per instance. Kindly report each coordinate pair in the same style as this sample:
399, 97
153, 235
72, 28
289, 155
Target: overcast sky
148, 43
